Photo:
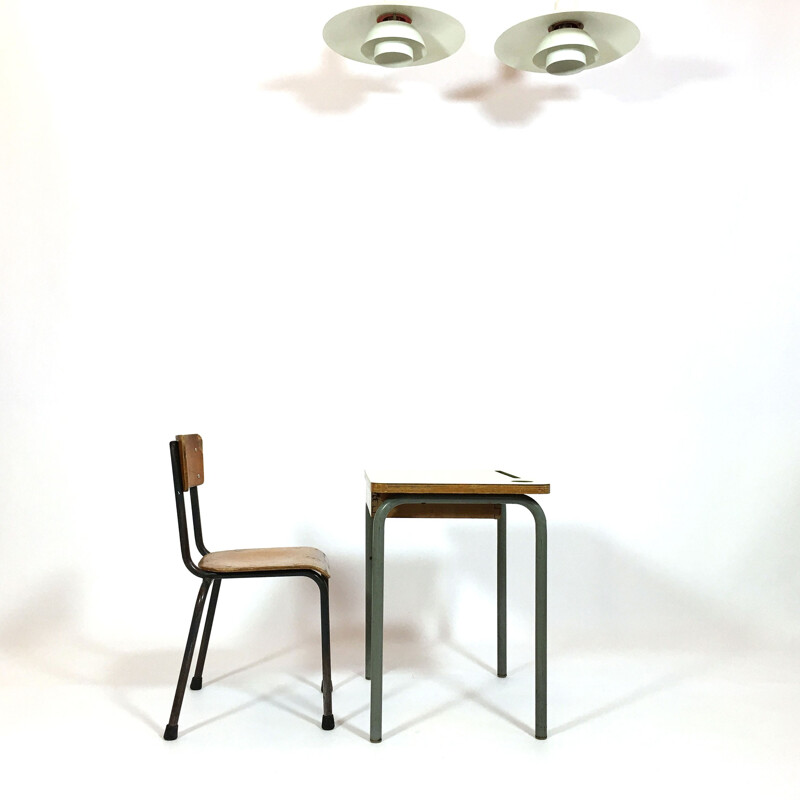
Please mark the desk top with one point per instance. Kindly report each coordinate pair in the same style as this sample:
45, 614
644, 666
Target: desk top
451, 482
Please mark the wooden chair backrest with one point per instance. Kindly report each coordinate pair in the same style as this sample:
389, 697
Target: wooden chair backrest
191, 449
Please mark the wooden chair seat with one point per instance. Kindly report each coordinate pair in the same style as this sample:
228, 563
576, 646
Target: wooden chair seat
266, 559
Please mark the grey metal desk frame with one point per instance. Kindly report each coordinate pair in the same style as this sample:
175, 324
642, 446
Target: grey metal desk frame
375, 528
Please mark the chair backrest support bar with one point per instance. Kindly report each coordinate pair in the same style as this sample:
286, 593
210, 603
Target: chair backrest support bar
198, 527
180, 507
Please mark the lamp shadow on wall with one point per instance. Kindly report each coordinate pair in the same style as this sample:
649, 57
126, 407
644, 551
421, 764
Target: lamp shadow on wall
646, 76
514, 97
331, 89
511, 98
506, 99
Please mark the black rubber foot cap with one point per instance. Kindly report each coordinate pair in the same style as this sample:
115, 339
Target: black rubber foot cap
502, 674
376, 741
171, 732
327, 722
541, 737
197, 683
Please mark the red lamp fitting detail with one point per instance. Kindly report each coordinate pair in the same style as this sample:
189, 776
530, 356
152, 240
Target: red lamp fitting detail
397, 17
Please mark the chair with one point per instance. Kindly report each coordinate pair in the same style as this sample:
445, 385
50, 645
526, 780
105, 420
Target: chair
187, 473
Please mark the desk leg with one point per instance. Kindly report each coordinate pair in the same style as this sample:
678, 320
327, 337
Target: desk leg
376, 624
541, 622
502, 666
368, 609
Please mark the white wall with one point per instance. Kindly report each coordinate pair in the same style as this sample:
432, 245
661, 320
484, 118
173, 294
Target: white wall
211, 223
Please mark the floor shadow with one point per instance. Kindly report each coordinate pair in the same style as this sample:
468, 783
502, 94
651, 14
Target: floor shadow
457, 648
120, 698
463, 694
223, 715
661, 684
160, 669
344, 721
257, 663
479, 696
274, 698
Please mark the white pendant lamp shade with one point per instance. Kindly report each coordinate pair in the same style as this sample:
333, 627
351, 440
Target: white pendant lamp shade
566, 42
394, 36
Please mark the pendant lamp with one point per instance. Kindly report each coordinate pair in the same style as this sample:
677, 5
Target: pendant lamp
566, 42
394, 36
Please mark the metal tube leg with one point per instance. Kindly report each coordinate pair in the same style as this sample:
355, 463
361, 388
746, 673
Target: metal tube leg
327, 683
502, 664
197, 680
368, 609
376, 625
541, 623
171, 731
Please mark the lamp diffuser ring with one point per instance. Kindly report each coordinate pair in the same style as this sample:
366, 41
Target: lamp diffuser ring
565, 51
393, 43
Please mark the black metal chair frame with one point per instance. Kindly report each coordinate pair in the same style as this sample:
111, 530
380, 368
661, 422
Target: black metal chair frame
212, 580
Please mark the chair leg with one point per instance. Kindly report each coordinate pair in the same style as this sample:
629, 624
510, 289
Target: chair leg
327, 683
502, 667
171, 731
197, 680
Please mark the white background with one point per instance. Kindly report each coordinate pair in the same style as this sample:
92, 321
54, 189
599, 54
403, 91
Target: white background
211, 223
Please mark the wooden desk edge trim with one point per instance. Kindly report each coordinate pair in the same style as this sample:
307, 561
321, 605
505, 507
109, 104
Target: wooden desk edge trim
459, 488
